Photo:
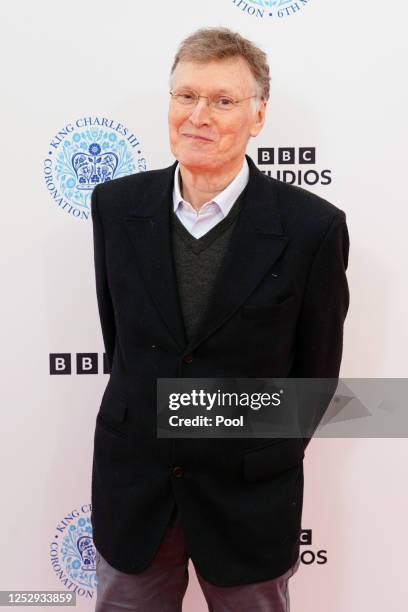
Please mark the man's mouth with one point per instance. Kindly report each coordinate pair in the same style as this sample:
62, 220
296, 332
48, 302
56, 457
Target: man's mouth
195, 137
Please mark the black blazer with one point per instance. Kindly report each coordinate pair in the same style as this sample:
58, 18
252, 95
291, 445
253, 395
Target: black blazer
280, 303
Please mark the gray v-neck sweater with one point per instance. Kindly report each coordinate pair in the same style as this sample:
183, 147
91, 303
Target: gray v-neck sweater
197, 263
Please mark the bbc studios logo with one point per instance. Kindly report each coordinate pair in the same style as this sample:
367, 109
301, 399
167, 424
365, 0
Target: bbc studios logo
85, 363
309, 555
294, 165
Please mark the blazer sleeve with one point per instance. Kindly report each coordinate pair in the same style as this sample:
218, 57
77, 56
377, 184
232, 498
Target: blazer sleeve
319, 334
105, 306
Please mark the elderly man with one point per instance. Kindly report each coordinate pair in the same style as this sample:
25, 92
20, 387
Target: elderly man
207, 268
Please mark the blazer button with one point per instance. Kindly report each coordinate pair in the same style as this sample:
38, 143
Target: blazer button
188, 358
178, 471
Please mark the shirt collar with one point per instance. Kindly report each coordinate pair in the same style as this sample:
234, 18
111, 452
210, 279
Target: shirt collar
226, 198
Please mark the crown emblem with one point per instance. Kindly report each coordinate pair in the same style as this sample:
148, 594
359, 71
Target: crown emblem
87, 551
94, 167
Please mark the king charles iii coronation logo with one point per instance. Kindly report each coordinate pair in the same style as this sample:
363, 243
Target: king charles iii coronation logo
84, 153
270, 8
73, 553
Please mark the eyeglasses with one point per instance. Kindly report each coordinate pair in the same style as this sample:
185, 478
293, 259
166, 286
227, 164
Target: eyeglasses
217, 102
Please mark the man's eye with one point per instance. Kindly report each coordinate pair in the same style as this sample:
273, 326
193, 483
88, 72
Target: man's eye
225, 102
186, 96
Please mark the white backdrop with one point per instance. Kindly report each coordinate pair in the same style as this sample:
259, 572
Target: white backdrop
338, 86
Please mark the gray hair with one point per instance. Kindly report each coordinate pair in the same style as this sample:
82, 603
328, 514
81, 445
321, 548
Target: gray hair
209, 44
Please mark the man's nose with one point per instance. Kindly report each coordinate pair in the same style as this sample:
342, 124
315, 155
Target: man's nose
201, 112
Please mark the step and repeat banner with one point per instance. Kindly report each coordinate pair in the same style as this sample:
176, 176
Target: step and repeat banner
92, 79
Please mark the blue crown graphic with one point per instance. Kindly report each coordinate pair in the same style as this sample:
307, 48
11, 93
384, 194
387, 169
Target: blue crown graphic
93, 167
87, 551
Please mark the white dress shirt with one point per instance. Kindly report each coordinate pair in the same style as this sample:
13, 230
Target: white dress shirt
212, 212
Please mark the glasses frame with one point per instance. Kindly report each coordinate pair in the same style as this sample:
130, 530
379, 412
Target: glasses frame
209, 98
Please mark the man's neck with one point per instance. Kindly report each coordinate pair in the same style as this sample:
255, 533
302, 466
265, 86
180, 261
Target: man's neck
199, 188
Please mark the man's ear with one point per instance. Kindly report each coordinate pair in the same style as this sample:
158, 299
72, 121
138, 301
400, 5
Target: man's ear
260, 116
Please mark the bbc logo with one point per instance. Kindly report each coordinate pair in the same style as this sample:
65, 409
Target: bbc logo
287, 155
86, 363
306, 537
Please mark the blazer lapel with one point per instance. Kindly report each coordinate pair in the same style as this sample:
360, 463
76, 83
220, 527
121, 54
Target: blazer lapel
256, 243
149, 230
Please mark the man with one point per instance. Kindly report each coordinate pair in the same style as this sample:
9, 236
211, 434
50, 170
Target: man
207, 268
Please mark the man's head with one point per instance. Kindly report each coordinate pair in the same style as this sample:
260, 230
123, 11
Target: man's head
218, 64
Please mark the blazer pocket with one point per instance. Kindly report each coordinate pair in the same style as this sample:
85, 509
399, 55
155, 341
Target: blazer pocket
113, 408
269, 460
271, 311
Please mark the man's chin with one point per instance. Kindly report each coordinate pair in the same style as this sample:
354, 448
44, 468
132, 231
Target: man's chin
202, 160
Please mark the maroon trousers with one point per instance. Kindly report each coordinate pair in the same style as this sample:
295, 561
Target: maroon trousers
161, 587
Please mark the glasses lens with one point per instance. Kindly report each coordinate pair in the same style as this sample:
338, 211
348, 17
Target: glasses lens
186, 98
222, 103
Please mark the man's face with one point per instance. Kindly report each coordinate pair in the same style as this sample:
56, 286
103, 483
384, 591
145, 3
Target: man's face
204, 139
